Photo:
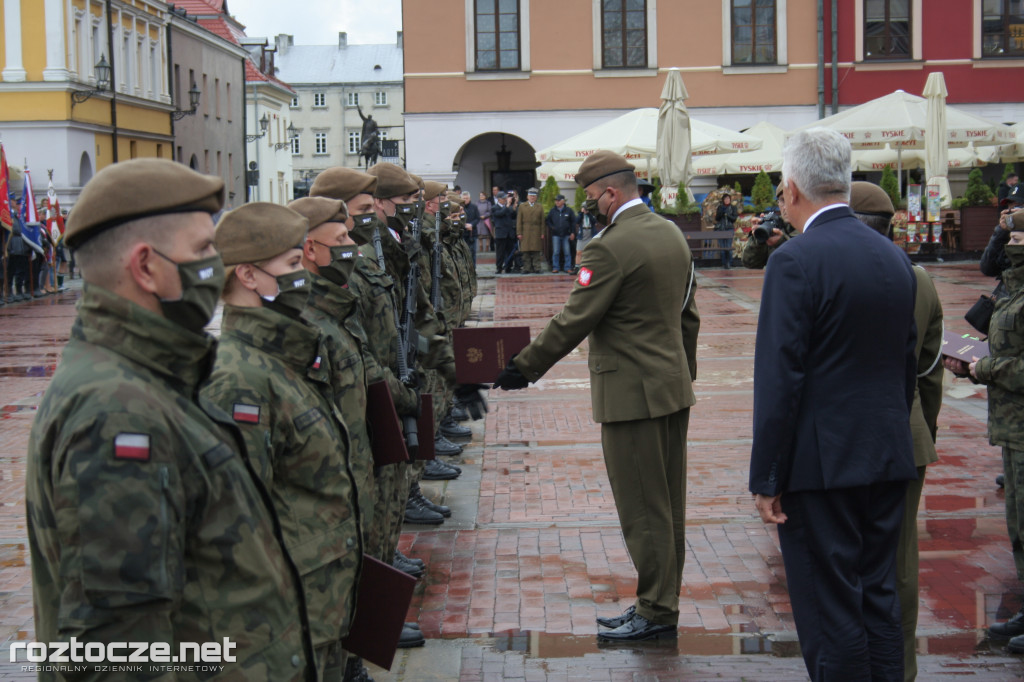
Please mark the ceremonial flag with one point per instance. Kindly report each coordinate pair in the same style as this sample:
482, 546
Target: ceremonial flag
28, 199
54, 219
5, 188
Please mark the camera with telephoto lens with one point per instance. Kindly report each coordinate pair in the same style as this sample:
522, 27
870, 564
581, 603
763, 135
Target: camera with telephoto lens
772, 220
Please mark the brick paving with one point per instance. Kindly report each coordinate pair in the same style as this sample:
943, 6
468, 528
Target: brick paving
517, 577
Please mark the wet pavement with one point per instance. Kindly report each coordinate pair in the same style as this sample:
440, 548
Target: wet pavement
533, 552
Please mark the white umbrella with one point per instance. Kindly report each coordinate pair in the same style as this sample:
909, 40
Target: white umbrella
565, 171
635, 136
767, 157
936, 149
673, 134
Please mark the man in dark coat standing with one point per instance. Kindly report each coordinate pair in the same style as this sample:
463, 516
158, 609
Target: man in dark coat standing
504, 217
834, 375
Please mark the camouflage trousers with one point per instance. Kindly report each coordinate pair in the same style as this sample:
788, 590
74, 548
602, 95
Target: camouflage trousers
1013, 474
386, 478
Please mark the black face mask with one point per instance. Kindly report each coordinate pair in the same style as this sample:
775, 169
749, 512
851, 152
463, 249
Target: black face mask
343, 262
362, 230
292, 292
202, 282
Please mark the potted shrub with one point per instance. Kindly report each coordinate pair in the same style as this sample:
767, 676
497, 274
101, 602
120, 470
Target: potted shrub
978, 213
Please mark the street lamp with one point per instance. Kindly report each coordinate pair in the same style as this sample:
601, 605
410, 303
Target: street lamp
193, 103
102, 83
292, 134
264, 124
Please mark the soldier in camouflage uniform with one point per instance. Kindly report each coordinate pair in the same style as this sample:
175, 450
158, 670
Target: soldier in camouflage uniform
1003, 372
145, 522
273, 375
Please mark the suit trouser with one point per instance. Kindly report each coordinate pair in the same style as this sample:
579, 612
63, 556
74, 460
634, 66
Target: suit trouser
503, 247
1013, 489
646, 462
839, 549
907, 567
531, 261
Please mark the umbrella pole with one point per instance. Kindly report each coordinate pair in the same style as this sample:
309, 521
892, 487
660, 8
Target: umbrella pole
899, 170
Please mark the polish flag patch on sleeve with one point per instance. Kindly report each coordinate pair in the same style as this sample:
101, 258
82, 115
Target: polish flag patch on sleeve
132, 446
316, 363
585, 275
247, 414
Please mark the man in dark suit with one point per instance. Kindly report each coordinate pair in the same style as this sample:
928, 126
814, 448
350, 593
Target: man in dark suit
634, 301
834, 375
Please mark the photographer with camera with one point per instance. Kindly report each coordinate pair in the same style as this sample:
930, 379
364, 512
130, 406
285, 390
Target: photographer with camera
770, 230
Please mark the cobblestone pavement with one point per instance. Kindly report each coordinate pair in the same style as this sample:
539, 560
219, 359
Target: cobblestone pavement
533, 552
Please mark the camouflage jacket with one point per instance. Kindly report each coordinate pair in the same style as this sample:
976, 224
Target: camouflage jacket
456, 245
332, 309
1003, 369
376, 305
273, 375
144, 522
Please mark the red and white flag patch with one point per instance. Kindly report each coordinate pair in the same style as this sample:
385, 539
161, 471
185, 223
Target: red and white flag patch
316, 363
132, 446
248, 414
585, 275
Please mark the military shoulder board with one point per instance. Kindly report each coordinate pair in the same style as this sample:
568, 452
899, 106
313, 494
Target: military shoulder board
247, 414
132, 446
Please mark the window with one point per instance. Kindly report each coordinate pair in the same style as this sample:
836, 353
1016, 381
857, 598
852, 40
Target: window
227, 97
497, 35
354, 142
887, 29
321, 143
382, 134
380, 98
216, 104
295, 102
206, 102
296, 149
753, 32
623, 34
352, 99
1002, 28
319, 99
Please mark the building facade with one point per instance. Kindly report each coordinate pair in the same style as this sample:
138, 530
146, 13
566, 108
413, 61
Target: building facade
209, 138
523, 75
54, 115
335, 87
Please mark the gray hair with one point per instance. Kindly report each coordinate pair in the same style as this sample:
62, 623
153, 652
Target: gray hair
817, 160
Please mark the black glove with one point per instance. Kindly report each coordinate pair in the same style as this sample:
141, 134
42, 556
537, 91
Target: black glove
511, 378
471, 397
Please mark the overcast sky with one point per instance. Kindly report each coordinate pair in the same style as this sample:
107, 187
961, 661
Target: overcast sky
318, 22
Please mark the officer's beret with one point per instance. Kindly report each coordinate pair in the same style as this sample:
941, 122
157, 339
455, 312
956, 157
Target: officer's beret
140, 188
532, 190
342, 183
392, 181
320, 210
433, 189
601, 164
454, 198
257, 232
559, 197
870, 199
1014, 197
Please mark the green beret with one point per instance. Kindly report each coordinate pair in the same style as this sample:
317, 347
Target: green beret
454, 198
140, 188
259, 231
418, 180
870, 199
433, 189
601, 164
392, 181
320, 210
342, 183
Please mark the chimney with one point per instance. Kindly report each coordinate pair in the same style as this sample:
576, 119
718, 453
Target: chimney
342, 39
284, 41
401, 40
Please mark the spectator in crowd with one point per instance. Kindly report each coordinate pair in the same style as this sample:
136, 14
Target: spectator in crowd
561, 221
485, 227
18, 255
504, 217
755, 252
725, 219
586, 228
1006, 187
530, 231
472, 214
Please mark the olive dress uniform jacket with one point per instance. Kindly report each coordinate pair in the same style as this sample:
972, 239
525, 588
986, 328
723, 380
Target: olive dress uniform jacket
530, 226
634, 297
924, 413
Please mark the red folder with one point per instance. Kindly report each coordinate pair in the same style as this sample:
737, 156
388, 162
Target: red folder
964, 347
382, 602
482, 352
386, 439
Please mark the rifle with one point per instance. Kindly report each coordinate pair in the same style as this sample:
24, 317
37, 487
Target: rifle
407, 335
435, 283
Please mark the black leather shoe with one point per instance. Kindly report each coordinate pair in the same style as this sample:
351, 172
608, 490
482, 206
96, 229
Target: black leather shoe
411, 626
452, 429
355, 671
637, 629
1016, 645
420, 515
459, 413
1011, 628
446, 448
439, 508
419, 562
1001, 480
617, 621
405, 567
410, 638
437, 471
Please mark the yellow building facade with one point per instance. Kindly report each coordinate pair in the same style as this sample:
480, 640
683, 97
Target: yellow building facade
54, 112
